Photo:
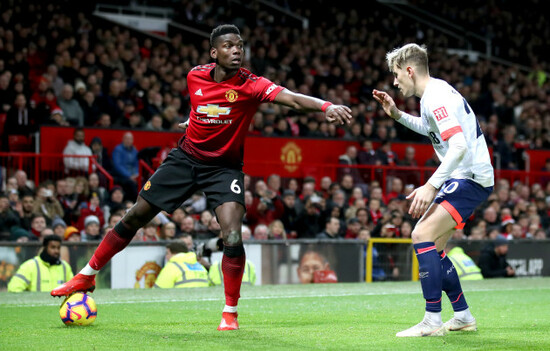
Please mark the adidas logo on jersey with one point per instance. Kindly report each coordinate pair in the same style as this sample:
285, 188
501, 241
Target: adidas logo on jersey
198, 92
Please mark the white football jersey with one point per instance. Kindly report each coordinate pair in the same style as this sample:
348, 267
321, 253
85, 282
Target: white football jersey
444, 113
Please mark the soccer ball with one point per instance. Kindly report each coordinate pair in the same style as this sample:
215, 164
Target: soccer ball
78, 309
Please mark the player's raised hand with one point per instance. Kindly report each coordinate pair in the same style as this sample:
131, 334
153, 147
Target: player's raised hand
421, 199
338, 114
387, 103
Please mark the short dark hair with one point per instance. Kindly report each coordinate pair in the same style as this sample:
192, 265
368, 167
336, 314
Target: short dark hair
177, 247
49, 238
222, 30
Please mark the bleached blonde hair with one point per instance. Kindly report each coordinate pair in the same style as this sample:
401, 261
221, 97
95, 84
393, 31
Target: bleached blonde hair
410, 54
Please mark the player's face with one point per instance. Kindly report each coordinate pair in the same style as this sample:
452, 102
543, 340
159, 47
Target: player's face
229, 51
403, 81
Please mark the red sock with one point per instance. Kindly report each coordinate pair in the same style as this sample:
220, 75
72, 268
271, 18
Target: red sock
111, 244
232, 269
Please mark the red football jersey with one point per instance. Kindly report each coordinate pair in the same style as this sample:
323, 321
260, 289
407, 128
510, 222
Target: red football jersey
221, 114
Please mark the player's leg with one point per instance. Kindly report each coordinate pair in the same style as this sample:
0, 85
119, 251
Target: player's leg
114, 241
230, 215
435, 223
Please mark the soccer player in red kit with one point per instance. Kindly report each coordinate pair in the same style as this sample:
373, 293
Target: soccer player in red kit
224, 98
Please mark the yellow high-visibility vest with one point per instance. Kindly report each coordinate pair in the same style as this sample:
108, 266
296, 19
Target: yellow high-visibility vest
38, 275
466, 268
216, 275
182, 271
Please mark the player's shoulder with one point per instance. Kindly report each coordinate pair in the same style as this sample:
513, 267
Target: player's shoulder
439, 89
246, 75
202, 69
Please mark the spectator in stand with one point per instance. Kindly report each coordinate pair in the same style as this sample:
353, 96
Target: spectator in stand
386, 155
57, 118
71, 108
274, 183
353, 228
155, 123
101, 154
8, 218
46, 204
188, 227
261, 232
90, 108
492, 260
20, 120
76, 146
195, 204
324, 187
290, 214
201, 226
88, 208
375, 212
24, 185
332, 228
507, 150
38, 224
26, 213
168, 231
72, 234
149, 232
94, 186
506, 225
92, 229
125, 165
265, 208
362, 215
396, 188
367, 155
59, 226
349, 158
276, 230
104, 121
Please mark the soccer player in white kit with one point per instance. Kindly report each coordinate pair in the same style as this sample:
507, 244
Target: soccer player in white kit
463, 180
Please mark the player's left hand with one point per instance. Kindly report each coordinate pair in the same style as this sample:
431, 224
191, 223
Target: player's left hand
184, 125
421, 199
339, 114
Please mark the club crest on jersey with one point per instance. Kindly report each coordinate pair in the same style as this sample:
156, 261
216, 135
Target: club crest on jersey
440, 113
231, 95
213, 110
147, 186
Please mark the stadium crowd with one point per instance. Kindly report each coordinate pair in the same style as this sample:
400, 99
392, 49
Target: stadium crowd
58, 67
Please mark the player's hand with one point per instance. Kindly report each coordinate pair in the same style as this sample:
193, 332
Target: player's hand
421, 199
338, 114
184, 125
387, 103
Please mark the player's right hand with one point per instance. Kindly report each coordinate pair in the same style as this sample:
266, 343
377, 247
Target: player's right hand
387, 103
338, 113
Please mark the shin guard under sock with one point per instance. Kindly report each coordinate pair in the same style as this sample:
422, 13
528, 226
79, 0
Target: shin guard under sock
451, 284
114, 241
429, 274
233, 263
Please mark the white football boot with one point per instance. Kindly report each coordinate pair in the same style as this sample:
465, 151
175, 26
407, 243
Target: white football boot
455, 324
424, 328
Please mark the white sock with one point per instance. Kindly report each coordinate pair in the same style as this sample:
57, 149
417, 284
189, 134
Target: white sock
433, 317
230, 309
465, 315
88, 270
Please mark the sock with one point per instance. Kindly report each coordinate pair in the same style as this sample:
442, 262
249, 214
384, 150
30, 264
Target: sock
465, 316
430, 274
88, 270
114, 241
230, 309
233, 263
433, 317
451, 284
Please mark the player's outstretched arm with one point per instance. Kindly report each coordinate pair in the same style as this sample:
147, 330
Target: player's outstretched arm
300, 102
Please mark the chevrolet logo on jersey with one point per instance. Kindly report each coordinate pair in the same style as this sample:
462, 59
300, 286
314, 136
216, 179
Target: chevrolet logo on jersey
213, 110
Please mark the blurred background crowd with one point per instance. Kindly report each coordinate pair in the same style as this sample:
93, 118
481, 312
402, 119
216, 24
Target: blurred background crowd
58, 66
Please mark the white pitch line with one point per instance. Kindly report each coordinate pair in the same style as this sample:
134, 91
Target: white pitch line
209, 299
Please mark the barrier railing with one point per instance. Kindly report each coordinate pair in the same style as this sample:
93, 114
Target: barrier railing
46, 166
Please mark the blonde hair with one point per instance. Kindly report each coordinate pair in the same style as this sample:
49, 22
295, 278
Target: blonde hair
412, 54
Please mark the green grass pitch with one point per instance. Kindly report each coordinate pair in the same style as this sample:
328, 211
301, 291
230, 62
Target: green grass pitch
512, 314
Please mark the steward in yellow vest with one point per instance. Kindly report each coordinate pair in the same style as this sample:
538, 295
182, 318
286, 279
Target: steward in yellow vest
182, 269
43, 272
465, 266
215, 273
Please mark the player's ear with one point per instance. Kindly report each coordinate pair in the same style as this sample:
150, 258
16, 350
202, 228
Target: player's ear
410, 71
214, 53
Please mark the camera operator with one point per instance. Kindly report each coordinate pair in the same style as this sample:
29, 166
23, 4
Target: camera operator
47, 204
204, 249
265, 208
